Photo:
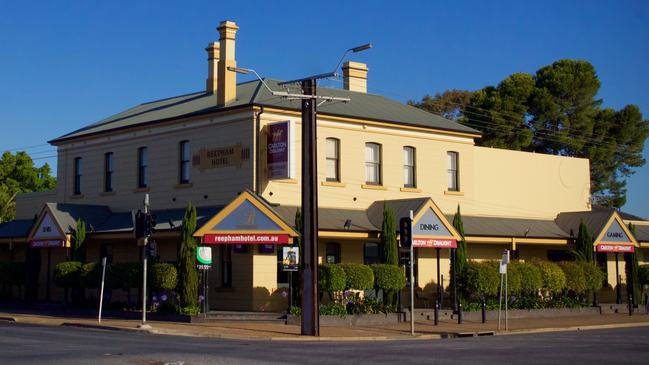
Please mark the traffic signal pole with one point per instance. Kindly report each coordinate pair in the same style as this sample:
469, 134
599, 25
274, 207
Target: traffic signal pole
412, 284
144, 264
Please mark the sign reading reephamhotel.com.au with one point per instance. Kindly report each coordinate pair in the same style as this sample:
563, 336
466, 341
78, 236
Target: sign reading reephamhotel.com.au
429, 231
278, 151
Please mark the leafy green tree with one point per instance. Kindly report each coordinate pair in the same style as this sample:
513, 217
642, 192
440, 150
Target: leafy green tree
584, 244
389, 237
458, 255
19, 175
449, 104
78, 240
298, 227
188, 275
501, 113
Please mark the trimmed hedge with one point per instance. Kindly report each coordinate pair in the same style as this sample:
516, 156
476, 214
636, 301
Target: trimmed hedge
643, 274
359, 276
124, 275
164, 276
593, 275
388, 277
552, 277
331, 278
575, 277
481, 278
67, 274
91, 275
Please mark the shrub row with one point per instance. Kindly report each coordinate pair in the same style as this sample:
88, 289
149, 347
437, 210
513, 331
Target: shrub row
531, 278
73, 274
338, 277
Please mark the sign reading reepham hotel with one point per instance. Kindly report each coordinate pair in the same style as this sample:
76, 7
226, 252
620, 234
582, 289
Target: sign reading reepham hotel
246, 221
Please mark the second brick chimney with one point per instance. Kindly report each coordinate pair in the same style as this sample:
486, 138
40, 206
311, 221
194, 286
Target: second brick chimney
226, 91
355, 76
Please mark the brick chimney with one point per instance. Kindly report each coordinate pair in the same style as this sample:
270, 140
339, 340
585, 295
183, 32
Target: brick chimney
226, 91
355, 76
212, 67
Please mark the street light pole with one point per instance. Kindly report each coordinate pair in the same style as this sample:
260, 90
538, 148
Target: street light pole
310, 307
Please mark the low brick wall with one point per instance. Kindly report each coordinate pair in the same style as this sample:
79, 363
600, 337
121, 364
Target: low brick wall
428, 314
351, 320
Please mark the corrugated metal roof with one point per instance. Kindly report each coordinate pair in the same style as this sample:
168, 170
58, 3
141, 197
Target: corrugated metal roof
594, 220
400, 207
641, 232
510, 227
16, 229
67, 214
332, 219
362, 106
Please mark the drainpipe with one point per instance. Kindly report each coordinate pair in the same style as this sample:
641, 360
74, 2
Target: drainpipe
257, 182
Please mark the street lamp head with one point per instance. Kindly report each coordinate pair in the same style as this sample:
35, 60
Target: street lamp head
361, 48
240, 70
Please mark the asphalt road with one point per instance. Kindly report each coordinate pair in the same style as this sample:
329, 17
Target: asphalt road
29, 344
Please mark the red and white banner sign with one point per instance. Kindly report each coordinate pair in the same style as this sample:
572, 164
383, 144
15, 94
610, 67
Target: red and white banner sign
245, 239
46, 243
434, 242
614, 248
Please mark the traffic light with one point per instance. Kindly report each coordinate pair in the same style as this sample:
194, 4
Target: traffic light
139, 225
405, 232
149, 225
151, 249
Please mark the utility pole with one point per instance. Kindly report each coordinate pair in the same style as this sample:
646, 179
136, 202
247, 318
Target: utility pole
310, 306
144, 264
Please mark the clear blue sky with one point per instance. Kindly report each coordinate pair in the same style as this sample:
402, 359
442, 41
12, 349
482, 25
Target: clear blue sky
69, 63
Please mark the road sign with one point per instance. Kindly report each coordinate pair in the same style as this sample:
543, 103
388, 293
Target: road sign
204, 256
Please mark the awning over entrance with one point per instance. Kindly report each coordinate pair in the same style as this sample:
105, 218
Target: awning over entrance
430, 228
609, 231
248, 219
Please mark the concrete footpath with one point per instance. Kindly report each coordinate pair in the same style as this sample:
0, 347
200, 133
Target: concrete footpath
425, 330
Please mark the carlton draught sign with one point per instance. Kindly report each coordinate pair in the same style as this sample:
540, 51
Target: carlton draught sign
429, 231
278, 150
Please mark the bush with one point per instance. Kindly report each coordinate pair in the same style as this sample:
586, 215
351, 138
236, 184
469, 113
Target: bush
575, 276
331, 278
531, 280
190, 310
480, 278
592, 274
553, 278
333, 309
388, 277
515, 278
643, 274
67, 274
164, 276
91, 275
359, 277
124, 275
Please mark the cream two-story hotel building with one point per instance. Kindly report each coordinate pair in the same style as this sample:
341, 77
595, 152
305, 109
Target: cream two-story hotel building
211, 148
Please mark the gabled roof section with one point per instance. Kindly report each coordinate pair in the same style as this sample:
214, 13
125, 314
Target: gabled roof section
362, 106
248, 213
598, 221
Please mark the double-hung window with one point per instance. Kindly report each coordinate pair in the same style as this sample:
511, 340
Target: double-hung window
108, 172
332, 150
184, 162
409, 167
453, 171
142, 167
78, 172
373, 163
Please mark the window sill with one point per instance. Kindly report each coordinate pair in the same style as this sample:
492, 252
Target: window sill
183, 185
333, 183
373, 187
452, 192
142, 190
286, 181
107, 193
76, 196
410, 190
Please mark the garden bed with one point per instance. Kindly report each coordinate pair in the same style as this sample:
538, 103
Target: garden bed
351, 320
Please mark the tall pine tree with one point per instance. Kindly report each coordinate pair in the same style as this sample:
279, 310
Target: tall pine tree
460, 253
631, 270
584, 244
188, 275
389, 237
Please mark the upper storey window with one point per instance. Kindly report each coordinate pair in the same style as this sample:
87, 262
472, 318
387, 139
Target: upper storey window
453, 171
78, 172
142, 167
108, 172
409, 167
373, 163
184, 162
333, 159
